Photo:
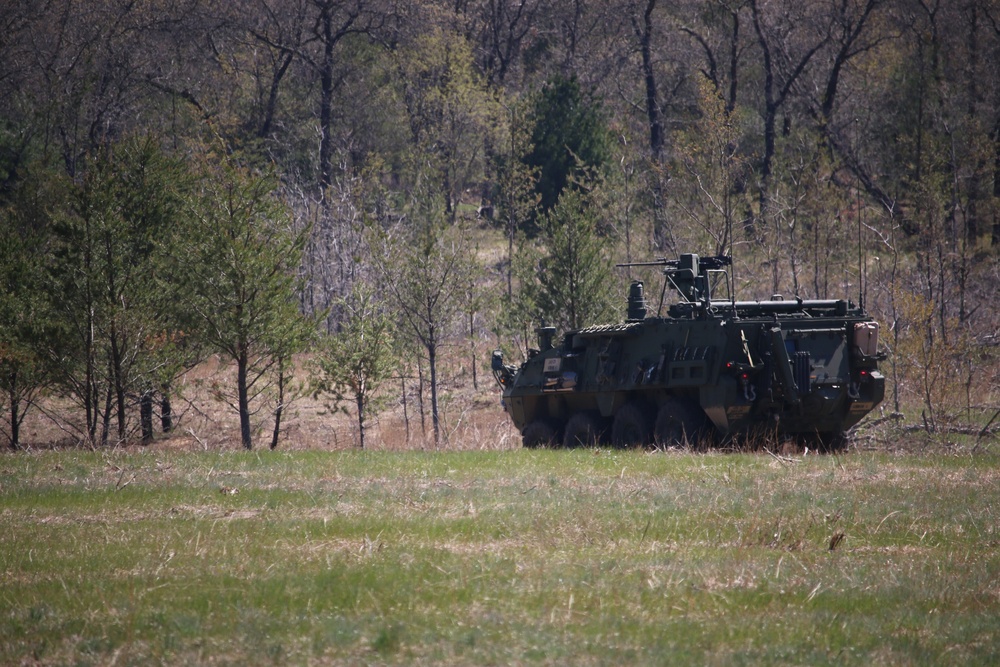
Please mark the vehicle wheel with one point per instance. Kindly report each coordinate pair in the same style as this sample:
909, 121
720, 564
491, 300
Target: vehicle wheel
679, 423
633, 425
834, 441
584, 429
540, 433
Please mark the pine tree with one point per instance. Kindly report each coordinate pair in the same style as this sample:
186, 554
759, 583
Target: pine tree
575, 281
27, 324
354, 361
241, 264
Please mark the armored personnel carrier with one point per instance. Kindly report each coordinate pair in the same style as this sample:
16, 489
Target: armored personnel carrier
709, 366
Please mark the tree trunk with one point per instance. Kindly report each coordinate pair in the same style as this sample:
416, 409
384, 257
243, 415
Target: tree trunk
119, 383
734, 63
359, 400
246, 438
15, 422
146, 416
272, 97
106, 417
472, 347
91, 397
326, 105
420, 397
279, 410
166, 411
435, 417
649, 77
406, 413
512, 231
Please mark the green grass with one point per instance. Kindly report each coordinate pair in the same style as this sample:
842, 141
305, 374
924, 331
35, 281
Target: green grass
515, 557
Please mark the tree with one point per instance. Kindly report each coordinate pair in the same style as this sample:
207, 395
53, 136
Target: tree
503, 29
514, 196
27, 324
575, 283
785, 54
723, 54
643, 30
449, 112
712, 172
620, 206
569, 134
274, 36
427, 270
107, 243
354, 361
242, 258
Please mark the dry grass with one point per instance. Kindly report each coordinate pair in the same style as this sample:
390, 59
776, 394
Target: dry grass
471, 417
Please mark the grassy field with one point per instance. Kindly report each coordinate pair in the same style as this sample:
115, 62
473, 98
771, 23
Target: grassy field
507, 557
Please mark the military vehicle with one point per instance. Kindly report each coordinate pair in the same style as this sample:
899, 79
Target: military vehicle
709, 367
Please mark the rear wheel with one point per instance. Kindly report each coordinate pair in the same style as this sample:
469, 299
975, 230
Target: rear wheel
679, 423
833, 441
633, 426
540, 433
584, 429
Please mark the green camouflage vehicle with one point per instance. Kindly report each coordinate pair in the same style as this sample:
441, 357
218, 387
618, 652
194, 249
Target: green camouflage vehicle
709, 367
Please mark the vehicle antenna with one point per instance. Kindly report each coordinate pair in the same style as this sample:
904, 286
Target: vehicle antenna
732, 265
861, 263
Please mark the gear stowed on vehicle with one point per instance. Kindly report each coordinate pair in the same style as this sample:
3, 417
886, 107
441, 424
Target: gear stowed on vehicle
709, 367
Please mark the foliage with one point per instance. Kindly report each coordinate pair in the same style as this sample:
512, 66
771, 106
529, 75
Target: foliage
934, 368
575, 284
515, 196
798, 135
621, 198
569, 134
354, 362
242, 257
427, 271
115, 231
450, 113
712, 174
28, 327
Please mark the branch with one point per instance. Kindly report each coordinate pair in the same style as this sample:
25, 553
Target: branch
185, 95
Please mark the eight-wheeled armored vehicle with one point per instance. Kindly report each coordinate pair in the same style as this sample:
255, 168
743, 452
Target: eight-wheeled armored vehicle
709, 366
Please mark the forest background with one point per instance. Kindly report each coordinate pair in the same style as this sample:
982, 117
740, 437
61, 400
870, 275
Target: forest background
350, 202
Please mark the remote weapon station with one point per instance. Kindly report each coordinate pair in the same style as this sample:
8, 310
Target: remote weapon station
710, 366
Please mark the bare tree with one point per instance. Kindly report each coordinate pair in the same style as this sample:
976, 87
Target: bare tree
428, 271
788, 41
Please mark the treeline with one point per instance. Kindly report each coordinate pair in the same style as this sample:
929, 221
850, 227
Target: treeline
253, 179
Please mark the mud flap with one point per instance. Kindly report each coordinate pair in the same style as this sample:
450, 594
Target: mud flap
713, 402
608, 402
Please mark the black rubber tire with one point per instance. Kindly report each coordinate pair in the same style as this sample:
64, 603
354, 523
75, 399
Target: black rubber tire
540, 433
633, 426
584, 429
680, 423
833, 442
